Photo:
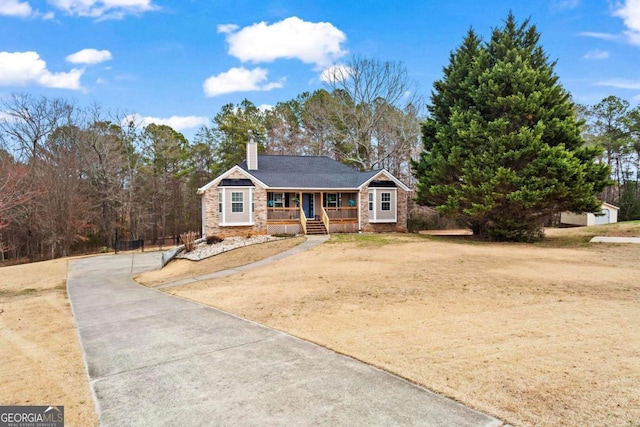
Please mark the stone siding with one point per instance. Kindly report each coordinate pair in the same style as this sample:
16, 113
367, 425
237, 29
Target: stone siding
212, 225
212, 217
400, 226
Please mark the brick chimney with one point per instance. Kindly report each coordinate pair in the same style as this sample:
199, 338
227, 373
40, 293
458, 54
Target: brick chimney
252, 155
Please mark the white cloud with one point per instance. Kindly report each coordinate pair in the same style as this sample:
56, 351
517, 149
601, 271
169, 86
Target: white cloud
227, 28
15, 8
104, 9
265, 107
176, 122
89, 56
23, 68
6, 117
316, 43
22, 9
564, 4
596, 54
620, 83
629, 11
596, 35
239, 80
336, 73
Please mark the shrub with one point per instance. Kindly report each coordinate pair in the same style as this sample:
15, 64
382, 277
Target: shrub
188, 240
423, 218
212, 240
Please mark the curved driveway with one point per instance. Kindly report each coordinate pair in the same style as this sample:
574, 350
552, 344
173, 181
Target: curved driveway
154, 359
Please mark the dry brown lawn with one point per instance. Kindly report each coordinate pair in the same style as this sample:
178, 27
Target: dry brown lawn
534, 334
41, 358
183, 268
539, 335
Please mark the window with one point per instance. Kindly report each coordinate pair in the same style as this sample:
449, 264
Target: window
237, 202
370, 201
220, 201
385, 199
278, 200
253, 202
332, 200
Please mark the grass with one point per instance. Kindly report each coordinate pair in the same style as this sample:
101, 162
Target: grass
535, 335
179, 269
13, 293
41, 357
366, 240
580, 236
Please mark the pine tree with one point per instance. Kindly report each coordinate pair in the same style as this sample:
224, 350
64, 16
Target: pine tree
502, 147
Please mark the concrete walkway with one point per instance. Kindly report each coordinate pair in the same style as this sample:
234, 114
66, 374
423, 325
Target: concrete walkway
154, 359
603, 239
311, 242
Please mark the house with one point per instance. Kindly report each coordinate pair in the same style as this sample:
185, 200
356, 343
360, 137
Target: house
301, 195
609, 215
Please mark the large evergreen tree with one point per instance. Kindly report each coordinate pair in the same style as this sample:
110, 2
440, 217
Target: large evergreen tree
502, 148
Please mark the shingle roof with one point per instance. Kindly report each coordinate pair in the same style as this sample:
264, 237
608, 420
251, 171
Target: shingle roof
306, 172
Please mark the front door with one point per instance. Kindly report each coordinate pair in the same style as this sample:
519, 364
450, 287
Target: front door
307, 204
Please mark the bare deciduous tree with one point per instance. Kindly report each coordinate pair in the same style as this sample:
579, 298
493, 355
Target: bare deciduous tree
374, 113
13, 189
14, 193
28, 121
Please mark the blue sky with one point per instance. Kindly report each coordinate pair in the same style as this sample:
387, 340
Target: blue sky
178, 62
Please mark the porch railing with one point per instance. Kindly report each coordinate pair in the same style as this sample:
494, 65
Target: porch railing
344, 213
283, 214
325, 219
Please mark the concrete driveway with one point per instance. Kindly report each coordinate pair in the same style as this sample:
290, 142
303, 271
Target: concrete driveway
154, 359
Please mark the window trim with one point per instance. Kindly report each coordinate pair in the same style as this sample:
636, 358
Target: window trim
281, 203
384, 202
223, 221
328, 202
393, 205
235, 203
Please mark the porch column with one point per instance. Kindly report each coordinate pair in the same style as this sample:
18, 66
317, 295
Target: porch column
359, 208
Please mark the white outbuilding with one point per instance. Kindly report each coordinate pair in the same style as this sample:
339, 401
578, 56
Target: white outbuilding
609, 215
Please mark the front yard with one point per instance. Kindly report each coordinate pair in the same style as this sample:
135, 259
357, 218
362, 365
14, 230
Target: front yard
41, 357
533, 334
541, 334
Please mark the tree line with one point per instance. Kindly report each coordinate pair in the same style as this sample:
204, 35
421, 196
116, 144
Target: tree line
614, 127
501, 149
72, 176
367, 116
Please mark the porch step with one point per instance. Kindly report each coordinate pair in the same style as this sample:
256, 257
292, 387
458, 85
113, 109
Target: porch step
316, 227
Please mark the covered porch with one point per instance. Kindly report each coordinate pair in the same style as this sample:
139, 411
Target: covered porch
312, 212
